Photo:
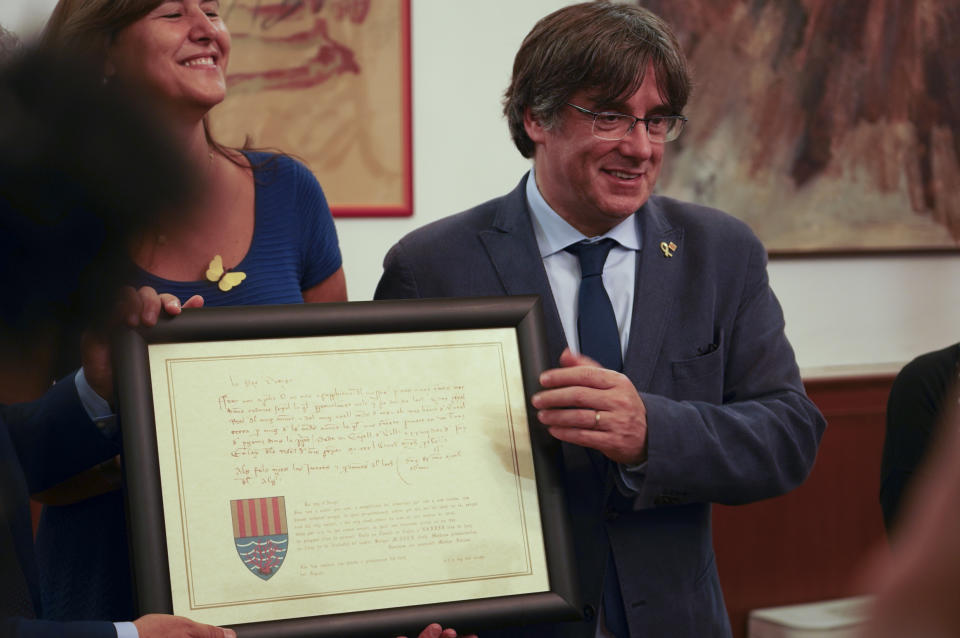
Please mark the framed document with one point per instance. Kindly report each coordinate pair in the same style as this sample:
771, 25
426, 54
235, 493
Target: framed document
344, 469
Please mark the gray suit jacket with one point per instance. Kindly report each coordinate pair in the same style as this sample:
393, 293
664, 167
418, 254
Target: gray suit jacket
728, 418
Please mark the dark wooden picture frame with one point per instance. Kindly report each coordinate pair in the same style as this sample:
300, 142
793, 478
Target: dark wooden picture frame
145, 506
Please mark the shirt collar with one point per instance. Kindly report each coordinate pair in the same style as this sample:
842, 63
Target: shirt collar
553, 233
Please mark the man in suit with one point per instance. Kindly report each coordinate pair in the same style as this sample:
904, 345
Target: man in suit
699, 399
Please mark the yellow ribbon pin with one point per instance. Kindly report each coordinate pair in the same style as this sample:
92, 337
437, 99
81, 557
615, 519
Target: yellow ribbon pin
668, 248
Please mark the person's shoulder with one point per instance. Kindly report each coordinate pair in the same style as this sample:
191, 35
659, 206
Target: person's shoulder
283, 174
699, 216
448, 231
941, 363
265, 162
711, 230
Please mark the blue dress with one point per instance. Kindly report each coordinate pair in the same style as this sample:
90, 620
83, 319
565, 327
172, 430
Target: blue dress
82, 548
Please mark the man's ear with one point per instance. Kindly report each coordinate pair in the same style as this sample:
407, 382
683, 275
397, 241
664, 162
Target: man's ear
535, 130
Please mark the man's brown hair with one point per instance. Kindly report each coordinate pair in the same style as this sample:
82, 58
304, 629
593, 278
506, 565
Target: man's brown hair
601, 47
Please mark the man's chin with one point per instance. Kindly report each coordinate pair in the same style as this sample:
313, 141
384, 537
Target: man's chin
622, 210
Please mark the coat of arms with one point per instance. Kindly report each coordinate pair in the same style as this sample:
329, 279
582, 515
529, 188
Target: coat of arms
260, 533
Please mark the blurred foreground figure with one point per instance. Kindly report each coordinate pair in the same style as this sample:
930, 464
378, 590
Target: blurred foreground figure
83, 171
918, 585
80, 170
260, 232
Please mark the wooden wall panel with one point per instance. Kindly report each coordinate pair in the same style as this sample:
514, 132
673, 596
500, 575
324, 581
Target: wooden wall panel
809, 545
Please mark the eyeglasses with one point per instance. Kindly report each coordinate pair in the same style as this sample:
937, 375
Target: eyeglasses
616, 126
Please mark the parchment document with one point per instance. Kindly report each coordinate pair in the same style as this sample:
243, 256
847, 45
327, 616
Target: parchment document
321, 475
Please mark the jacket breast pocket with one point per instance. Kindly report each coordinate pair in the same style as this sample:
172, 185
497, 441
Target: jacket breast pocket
700, 378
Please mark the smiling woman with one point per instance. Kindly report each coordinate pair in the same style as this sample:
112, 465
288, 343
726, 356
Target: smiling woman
178, 53
259, 232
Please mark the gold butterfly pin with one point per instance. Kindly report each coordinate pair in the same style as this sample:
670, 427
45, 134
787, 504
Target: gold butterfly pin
668, 248
224, 280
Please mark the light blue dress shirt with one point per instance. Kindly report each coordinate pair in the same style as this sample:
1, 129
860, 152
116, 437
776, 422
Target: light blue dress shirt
96, 406
126, 630
554, 234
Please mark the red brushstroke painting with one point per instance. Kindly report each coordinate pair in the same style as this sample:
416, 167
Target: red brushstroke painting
328, 81
827, 126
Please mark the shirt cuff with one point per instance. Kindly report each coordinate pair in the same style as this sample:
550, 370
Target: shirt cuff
96, 406
630, 478
126, 630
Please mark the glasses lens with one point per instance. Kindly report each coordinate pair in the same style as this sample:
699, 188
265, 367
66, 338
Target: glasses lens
611, 126
658, 128
614, 126
672, 128
664, 129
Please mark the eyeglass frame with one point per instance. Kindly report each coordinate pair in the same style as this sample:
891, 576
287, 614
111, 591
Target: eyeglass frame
679, 119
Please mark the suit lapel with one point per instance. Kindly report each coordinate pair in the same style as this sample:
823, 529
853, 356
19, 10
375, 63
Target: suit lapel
657, 278
512, 248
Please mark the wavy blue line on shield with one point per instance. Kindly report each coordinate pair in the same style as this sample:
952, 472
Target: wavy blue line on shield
263, 555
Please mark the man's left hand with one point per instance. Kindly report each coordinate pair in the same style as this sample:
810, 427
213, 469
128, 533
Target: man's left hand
586, 404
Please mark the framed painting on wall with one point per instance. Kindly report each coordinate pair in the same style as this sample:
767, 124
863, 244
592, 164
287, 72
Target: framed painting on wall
327, 81
829, 127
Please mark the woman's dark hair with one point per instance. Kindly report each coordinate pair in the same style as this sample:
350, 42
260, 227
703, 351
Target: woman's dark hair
88, 27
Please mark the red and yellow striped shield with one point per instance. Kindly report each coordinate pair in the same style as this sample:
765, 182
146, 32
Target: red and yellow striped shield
260, 533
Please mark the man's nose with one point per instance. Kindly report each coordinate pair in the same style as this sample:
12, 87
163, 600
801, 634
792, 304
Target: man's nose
636, 142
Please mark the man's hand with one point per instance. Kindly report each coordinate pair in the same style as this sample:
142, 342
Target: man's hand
585, 404
163, 626
436, 631
136, 308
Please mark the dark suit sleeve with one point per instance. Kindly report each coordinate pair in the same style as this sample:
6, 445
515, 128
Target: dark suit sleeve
54, 438
49, 440
760, 439
22, 628
397, 281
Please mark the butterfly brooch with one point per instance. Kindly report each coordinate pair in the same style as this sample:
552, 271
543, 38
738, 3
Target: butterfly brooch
225, 280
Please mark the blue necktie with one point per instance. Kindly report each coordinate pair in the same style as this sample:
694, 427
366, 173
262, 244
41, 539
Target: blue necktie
600, 340
596, 323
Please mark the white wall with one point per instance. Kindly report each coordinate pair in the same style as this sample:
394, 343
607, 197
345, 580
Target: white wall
25, 17
844, 315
